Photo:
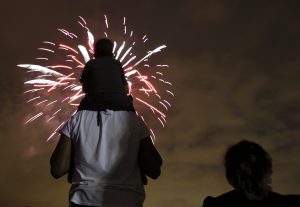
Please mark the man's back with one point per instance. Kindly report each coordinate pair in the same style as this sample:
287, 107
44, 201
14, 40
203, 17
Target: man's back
105, 156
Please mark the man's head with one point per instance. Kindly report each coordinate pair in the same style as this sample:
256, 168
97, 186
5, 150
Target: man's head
103, 47
249, 168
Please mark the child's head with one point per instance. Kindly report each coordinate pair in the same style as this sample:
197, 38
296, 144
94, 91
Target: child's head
249, 168
103, 47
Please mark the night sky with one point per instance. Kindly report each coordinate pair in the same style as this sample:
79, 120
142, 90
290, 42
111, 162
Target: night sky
235, 70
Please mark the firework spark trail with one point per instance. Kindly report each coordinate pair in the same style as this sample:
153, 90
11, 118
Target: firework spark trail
56, 93
41, 69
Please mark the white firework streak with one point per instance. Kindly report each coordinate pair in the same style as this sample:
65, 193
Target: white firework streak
56, 93
44, 82
41, 69
84, 53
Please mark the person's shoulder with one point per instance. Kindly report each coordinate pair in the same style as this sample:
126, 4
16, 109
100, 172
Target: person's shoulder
290, 200
136, 119
117, 62
221, 200
76, 116
140, 126
209, 201
90, 62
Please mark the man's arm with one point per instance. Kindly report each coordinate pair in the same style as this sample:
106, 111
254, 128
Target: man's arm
60, 159
150, 160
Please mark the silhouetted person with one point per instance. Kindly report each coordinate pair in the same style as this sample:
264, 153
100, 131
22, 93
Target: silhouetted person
104, 82
249, 169
105, 147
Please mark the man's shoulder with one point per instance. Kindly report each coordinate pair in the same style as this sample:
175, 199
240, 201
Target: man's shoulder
221, 200
90, 62
234, 198
290, 200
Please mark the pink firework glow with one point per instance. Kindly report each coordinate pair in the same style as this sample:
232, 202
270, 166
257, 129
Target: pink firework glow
55, 91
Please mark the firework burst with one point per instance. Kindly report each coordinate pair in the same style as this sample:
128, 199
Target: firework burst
55, 91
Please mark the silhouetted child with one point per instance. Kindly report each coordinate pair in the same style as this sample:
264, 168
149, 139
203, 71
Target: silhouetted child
104, 82
249, 169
